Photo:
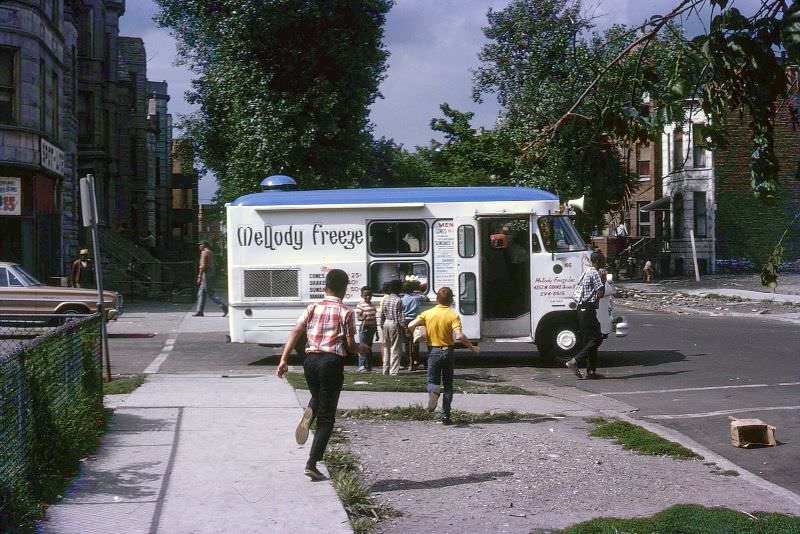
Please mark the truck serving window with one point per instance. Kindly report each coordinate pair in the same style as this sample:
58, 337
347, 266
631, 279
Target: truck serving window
394, 238
559, 235
382, 271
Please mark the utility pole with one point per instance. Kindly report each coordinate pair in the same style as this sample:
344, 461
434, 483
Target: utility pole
89, 215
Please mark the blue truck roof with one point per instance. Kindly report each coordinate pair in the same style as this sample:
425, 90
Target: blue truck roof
396, 195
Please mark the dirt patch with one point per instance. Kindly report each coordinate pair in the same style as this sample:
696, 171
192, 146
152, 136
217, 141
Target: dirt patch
674, 301
516, 477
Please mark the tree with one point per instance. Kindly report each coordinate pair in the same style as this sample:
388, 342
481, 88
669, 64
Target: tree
731, 67
540, 57
468, 156
284, 86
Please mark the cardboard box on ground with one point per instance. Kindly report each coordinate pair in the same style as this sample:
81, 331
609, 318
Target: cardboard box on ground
747, 433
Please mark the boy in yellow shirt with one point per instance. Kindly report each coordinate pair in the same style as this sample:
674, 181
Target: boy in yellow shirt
444, 328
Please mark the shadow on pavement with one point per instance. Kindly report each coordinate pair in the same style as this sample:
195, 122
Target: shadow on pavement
638, 375
395, 484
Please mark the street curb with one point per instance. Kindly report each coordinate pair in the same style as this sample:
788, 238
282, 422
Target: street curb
709, 455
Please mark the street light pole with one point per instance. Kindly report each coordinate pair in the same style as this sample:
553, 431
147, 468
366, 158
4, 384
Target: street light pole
89, 213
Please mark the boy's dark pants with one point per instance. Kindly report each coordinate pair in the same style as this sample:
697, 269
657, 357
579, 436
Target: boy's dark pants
324, 374
591, 336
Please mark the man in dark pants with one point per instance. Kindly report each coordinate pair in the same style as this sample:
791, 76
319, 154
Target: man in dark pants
588, 292
330, 327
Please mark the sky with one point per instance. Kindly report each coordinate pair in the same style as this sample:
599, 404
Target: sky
434, 44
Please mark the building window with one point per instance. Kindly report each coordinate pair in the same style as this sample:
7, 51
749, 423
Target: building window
677, 226
398, 237
54, 104
85, 118
644, 220
8, 85
42, 96
700, 219
669, 153
698, 152
643, 162
86, 33
677, 148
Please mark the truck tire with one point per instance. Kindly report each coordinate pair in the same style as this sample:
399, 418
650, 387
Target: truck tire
559, 341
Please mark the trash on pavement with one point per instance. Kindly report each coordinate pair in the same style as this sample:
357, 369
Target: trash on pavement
748, 433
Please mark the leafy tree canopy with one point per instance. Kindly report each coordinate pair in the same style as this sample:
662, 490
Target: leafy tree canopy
284, 86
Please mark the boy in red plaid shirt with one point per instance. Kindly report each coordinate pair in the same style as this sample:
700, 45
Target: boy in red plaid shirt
330, 328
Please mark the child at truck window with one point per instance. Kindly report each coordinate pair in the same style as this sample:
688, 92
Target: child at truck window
393, 325
366, 313
412, 298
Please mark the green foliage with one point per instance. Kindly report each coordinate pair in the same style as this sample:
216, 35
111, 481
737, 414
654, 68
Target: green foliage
539, 59
284, 87
640, 440
56, 418
362, 510
692, 519
123, 385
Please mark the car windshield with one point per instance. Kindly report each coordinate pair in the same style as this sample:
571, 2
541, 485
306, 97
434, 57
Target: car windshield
26, 278
559, 235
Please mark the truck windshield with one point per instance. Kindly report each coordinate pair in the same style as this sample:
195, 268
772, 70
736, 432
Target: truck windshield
559, 235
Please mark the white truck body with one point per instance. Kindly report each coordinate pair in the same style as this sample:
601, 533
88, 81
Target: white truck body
515, 288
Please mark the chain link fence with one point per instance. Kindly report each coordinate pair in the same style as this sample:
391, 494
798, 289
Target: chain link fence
51, 414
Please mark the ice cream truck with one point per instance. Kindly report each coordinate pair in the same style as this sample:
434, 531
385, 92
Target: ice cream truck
510, 255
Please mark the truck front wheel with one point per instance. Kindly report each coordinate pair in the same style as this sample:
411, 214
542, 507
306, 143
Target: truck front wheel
559, 341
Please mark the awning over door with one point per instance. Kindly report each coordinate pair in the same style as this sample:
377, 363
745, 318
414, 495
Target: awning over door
662, 204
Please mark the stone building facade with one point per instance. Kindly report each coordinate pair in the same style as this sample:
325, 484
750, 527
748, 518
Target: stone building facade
37, 129
184, 194
139, 213
688, 184
159, 156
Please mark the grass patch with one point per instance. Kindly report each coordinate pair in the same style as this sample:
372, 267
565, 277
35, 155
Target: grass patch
123, 385
409, 384
692, 519
418, 413
362, 510
638, 439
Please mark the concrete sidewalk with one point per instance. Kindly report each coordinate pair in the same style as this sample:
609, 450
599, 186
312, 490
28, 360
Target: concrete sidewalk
194, 453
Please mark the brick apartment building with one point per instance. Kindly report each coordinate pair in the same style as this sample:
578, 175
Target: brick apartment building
75, 100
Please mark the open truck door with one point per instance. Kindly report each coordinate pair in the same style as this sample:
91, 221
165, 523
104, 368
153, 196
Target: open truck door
468, 262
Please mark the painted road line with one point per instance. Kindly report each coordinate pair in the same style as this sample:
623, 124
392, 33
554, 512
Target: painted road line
679, 390
720, 412
155, 365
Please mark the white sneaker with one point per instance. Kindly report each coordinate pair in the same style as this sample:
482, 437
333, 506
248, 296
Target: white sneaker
433, 400
301, 434
572, 365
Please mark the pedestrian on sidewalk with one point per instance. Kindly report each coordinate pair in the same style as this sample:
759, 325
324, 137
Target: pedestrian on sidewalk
588, 292
647, 271
82, 270
366, 313
330, 328
393, 325
206, 270
444, 329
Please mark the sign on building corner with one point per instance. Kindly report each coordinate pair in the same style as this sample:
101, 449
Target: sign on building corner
10, 196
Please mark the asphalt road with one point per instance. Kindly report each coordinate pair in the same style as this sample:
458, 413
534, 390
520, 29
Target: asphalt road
689, 373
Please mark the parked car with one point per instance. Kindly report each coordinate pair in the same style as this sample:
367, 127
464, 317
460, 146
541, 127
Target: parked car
23, 295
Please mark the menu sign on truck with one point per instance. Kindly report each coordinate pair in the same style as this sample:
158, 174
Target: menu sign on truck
444, 254
10, 196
